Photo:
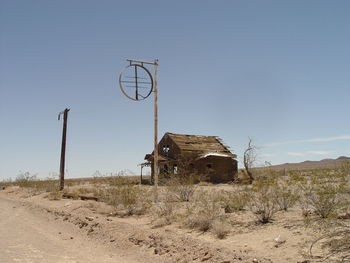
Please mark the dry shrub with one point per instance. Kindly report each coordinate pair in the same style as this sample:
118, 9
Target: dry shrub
324, 200
164, 209
220, 229
85, 190
345, 168
285, 194
114, 179
50, 184
262, 202
334, 236
182, 187
325, 191
164, 213
127, 196
233, 201
55, 195
322, 191
25, 179
201, 213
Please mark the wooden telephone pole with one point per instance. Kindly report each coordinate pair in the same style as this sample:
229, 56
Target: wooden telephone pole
152, 81
155, 167
63, 146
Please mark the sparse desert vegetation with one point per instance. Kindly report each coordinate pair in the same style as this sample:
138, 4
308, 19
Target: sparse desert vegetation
313, 203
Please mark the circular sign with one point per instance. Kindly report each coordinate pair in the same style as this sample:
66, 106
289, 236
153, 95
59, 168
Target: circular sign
136, 82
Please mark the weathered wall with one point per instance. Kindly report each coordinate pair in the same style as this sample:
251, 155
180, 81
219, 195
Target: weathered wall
222, 169
173, 148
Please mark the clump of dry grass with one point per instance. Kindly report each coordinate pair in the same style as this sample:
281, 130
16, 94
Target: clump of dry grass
233, 201
220, 229
129, 197
27, 180
164, 213
55, 195
182, 188
202, 213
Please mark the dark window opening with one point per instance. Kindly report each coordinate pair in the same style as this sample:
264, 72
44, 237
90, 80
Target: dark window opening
166, 148
209, 166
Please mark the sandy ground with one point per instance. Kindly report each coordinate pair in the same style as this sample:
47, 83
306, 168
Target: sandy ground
35, 229
29, 235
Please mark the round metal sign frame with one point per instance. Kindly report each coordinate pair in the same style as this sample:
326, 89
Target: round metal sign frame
138, 96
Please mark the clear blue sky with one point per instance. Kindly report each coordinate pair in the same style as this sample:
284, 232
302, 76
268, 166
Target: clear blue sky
277, 71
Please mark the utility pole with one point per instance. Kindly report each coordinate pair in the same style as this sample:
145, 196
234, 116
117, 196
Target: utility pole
149, 83
63, 146
155, 122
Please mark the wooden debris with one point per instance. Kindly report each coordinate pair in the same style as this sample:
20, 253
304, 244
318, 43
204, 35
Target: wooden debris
82, 197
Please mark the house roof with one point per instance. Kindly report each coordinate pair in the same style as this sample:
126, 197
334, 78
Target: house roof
201, 144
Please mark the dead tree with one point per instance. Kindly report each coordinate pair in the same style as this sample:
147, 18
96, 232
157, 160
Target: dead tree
249, 159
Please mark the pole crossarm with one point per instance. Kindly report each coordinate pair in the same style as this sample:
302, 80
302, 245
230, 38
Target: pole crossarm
155, 62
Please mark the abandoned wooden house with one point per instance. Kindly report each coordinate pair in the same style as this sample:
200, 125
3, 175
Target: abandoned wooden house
205, 155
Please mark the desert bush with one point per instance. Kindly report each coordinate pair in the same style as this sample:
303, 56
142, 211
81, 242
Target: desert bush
164, 212
182, 187
304, 189
84, 190
202, 212
6, 182
285, 194
25, 179
55, 195
333, 236
326, 192
262, 202
50, 184
118, 179
324, 199
338, 244
233, 201
345, 168
220, 229
128, 196
322, 192
164, 209
97, 178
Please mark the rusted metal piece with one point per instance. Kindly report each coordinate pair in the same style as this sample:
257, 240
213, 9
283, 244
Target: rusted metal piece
63, 146
82, 197
146, 86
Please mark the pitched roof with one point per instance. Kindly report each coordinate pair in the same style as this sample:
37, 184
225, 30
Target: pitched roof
201, 144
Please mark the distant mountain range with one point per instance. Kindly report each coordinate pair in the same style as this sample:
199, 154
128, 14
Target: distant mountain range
325, 163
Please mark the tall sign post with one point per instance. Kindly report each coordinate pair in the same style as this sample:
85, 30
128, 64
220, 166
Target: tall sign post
137, 83
63, 146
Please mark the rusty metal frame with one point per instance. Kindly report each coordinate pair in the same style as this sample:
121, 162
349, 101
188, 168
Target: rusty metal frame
137, 98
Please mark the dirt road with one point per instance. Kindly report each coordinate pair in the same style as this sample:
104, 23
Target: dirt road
28, 236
